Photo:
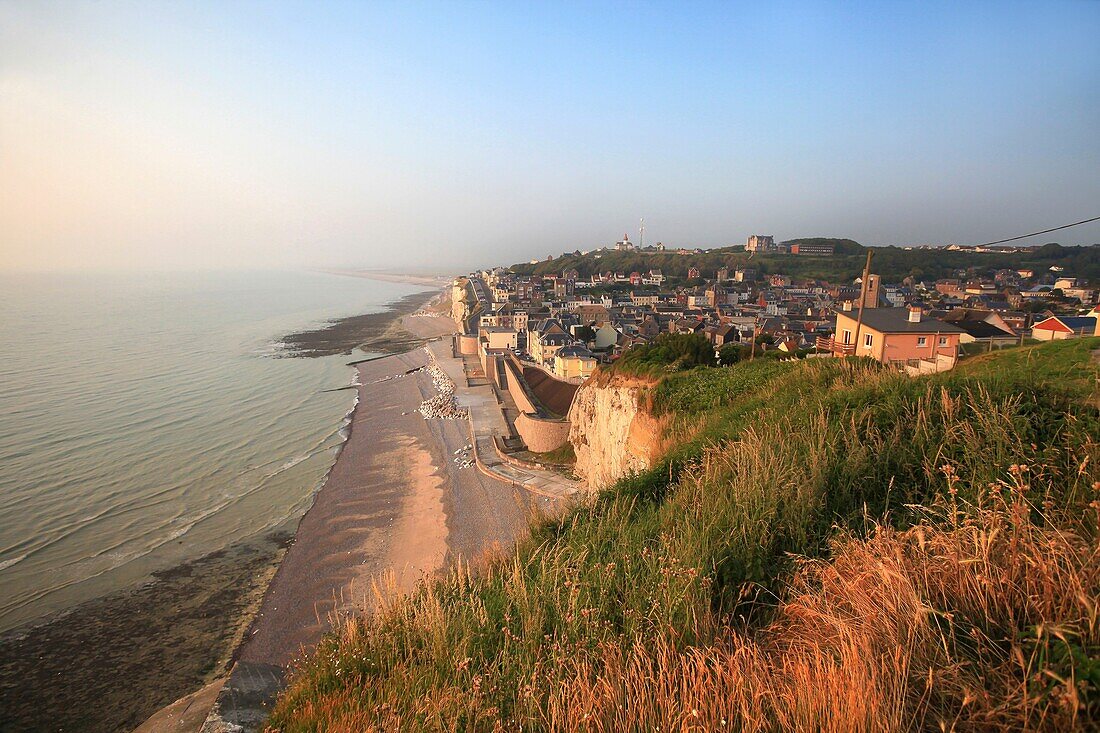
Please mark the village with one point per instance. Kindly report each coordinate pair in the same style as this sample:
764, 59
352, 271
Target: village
566, 325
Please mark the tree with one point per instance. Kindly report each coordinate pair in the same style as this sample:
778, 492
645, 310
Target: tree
733, 353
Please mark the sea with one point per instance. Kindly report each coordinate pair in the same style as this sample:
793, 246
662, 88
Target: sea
149, 419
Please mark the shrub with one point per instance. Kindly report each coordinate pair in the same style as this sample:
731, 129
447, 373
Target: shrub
668, 352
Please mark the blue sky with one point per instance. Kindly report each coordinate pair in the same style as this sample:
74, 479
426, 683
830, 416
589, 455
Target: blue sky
461, 134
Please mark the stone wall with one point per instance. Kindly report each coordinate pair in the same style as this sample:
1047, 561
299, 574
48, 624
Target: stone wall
523, 401
540, 435
467, 345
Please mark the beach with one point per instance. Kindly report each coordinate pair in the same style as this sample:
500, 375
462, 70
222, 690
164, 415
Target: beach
109, 663
401, 502
371, 332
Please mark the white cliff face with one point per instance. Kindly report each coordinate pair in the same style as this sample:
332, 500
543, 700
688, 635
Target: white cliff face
611, 434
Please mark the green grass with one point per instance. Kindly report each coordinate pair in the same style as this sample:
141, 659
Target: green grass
669, 352
563, 456
893, 264
778, 461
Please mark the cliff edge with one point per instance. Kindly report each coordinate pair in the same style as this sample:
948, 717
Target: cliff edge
612, 430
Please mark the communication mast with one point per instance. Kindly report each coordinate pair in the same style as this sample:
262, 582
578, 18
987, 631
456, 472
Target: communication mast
641, 233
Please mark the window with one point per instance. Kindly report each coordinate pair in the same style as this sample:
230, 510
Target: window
943, 341
868, 340
847, 336
921, 340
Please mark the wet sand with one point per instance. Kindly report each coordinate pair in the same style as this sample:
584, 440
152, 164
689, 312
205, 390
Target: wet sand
377, 332
108, 664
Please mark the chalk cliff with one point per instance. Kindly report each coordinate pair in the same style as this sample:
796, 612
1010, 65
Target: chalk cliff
611, 431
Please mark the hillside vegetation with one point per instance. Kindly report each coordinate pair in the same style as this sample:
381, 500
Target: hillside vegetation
831, 546
892, 263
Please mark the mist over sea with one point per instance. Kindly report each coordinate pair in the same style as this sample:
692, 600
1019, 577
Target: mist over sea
145, 420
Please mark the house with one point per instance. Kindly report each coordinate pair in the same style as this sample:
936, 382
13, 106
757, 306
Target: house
496, 338
593, 313
985, 332
1087, 296
722, 334
808, 248
715, 296
563, 288
549, 345
790, 343
545, 339
1056, 328
650, 327
527, 290
1039, 291
574, 363
947, 286
981, 325
760, 243
896, 336
685, 325
693, 272
606, 337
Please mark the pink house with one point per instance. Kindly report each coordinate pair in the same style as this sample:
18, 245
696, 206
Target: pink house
896, 336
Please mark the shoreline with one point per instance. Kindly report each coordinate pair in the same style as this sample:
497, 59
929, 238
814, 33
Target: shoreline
439, 282
110, 662
401, 503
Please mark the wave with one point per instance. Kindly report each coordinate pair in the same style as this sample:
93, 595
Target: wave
5, 564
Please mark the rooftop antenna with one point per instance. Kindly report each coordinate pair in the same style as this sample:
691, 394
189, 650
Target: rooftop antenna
641, 233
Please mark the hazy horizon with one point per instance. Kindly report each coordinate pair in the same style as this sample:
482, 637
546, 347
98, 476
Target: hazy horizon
438, 137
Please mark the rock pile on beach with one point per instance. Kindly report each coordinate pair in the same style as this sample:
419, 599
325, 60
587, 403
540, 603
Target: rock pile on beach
462, 456
442, 406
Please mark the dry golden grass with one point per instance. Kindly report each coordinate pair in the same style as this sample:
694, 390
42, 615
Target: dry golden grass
912, 630
904, 630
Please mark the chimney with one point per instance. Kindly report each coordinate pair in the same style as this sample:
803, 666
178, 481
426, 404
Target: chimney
914, 314
847, 307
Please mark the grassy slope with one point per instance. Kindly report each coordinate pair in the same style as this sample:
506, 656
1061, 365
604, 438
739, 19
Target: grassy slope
892, 263
832, 546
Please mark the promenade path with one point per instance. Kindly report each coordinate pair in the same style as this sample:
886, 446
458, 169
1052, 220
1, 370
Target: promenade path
487, 422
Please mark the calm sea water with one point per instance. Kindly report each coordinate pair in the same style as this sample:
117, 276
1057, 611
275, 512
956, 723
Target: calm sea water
144, 420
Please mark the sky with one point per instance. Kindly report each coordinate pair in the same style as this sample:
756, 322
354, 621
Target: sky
444, 136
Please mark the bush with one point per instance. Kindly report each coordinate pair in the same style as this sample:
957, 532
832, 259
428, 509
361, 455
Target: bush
668, 352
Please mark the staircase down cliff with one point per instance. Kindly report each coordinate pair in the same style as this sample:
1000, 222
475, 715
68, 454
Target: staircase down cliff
611, 431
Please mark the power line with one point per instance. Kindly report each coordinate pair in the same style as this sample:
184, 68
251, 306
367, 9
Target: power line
1033, 234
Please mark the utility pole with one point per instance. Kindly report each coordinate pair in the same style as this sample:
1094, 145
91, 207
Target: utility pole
755, 323
862, 298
